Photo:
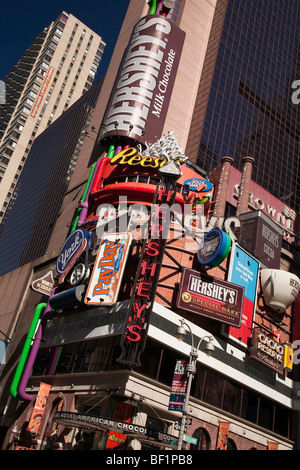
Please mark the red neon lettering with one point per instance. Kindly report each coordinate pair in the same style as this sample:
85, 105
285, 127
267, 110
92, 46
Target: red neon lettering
143, 286
154, 247
144, 267
156, 230
138, 310
136, 335
160, 211
161, 193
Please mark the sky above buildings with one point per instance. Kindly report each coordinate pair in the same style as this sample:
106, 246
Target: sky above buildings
21, 21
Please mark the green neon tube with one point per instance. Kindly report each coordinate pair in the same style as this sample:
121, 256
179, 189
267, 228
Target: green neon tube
111, 151
152, 5
84, 195
26, 348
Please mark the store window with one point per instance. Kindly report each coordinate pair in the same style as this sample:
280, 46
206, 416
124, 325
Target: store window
213, 388
231, 445
158, 425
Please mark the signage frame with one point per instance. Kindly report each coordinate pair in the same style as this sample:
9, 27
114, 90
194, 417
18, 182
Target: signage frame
114, 248
197, 302
250, 296
216, 243
80, 238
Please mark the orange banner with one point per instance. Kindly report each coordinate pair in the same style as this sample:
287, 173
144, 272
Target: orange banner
272, 445
39, 408
223, 435
42, 92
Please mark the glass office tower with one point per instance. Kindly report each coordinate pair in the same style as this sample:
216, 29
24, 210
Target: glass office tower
248, 110
43, 183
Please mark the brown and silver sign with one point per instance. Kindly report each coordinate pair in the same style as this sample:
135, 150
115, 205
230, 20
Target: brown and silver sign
139, 101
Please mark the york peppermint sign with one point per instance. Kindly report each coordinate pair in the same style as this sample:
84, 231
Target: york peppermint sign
73, 247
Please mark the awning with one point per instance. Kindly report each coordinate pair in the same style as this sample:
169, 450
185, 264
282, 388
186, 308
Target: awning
96, 423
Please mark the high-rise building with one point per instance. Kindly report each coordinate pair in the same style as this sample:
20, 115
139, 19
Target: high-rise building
244, 104
43, 183
54, 71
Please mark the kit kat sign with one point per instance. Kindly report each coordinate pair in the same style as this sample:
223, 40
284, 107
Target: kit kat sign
205, 295
143, 87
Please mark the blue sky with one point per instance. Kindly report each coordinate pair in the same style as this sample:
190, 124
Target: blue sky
21, 21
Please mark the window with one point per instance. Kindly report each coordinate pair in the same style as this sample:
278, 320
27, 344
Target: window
203, 439
56, 38
25, 110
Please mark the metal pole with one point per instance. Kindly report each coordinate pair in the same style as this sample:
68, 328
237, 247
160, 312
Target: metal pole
191, 369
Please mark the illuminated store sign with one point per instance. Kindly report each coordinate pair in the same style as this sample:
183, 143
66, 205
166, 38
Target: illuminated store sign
131, 157
211, 297
143, 87
267, 351
195, 184
214, 248
97, 423
144, 289
70, 252
108, 269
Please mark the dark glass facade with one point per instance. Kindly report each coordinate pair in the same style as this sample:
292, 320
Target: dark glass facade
42, 185
249, 110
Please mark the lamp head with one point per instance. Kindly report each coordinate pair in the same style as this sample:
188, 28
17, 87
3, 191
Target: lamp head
209, 348
180, 333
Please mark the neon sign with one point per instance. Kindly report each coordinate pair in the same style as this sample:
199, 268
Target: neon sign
144, 289
130, 157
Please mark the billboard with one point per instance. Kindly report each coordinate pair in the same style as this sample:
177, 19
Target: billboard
105, 281
211, 297
139, 101
243, 270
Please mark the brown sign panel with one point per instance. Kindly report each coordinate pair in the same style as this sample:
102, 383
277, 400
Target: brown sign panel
267, 351
262, 238
214, 298
140, 98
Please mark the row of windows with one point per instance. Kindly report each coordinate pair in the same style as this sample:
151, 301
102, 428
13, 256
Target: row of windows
158, 363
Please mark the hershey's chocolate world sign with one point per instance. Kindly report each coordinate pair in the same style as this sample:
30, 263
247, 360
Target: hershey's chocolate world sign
140, 98
214, 298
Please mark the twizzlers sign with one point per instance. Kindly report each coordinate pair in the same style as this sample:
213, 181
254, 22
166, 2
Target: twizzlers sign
143, 87
142, 299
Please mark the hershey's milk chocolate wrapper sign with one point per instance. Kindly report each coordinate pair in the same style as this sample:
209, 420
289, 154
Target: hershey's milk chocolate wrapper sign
140, 98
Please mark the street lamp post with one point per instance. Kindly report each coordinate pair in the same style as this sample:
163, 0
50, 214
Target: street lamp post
191, 371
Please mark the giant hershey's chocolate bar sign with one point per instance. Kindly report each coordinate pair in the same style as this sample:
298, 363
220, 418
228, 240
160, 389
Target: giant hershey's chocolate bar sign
140, 98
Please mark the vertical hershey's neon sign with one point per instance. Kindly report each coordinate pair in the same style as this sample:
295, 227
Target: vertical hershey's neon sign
136, 327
